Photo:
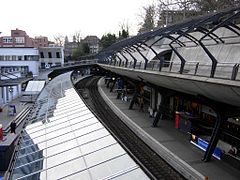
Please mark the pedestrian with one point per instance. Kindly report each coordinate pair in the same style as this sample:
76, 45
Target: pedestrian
13, 127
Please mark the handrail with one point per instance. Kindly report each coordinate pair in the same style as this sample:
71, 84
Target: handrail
224, 70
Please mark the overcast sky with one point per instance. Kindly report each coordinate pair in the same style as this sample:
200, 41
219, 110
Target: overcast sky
65, 17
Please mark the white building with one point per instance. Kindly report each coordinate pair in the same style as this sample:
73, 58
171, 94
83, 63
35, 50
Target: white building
15, 65
51, 57
21, 60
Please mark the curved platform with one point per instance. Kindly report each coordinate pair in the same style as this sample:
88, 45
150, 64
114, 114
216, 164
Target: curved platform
171, 144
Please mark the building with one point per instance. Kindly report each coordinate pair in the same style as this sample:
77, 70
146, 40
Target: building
93, 43
51, 57
17, 66
19, 59
69, 47
19, 38
41, 41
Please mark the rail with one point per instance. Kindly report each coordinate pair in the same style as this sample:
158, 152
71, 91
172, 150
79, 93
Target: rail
223, 70
18, 120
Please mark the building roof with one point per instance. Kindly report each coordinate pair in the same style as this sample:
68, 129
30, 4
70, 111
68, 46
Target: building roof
64, 139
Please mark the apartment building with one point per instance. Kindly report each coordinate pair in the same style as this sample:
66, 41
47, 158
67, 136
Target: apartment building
19, 38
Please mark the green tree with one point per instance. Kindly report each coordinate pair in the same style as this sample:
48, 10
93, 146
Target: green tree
107, 40
149, 19
82, 50
124, 32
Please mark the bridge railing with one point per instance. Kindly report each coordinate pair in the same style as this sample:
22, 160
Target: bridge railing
82, 62
227, 70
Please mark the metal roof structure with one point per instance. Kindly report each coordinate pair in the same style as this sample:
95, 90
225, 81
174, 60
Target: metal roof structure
65, 140
206, 25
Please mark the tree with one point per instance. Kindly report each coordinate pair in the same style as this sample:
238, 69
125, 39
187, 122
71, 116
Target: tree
214, 5
66, 40
82, 50
124, 32
149, 19
107, 40
77, 37
59, 39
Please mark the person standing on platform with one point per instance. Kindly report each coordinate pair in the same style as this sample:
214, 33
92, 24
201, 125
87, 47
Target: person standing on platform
13, 126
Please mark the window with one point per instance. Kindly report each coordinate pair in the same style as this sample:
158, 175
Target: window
57, 54
14, 58
49, 55
41, 55
7, 58
19, 58
19, 40
7, 40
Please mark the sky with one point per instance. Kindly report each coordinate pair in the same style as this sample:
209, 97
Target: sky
65, 17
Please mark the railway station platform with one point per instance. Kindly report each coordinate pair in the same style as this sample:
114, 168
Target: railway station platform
7, 115
170, 143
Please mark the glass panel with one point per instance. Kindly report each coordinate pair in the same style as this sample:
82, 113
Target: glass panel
30, 158
95, 145
54, 126
92, 136
66, 169
55, 120
17, 174
104, 154
32, 148
60, 139
62, 147
30, 128
63, 157
34, 135
58, 133
88, 129
85, 123
82, 176
83, 116
112, 167
32, 167
135, 174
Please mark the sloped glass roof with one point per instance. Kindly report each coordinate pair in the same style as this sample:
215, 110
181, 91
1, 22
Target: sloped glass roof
65, 140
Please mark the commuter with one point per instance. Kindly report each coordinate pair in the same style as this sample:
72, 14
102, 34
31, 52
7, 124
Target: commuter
13, 127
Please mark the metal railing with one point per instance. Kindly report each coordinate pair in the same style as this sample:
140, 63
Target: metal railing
228, 70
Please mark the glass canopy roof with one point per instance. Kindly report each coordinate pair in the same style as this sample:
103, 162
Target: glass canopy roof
64, 140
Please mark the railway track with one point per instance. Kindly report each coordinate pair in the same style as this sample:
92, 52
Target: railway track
149, 161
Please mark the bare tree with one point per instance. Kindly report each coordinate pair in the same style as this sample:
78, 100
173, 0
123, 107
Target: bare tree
59, 39
78, 37
206, 6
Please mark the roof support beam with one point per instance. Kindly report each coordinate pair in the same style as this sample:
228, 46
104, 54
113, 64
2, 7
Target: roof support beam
222, 24
157, 55
126, 59
183, 61
135, 60
120, 60
145, 59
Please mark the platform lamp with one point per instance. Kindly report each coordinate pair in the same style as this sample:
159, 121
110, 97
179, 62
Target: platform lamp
10, 89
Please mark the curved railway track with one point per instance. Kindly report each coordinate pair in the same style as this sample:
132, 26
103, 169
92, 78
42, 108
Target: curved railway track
150, 162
